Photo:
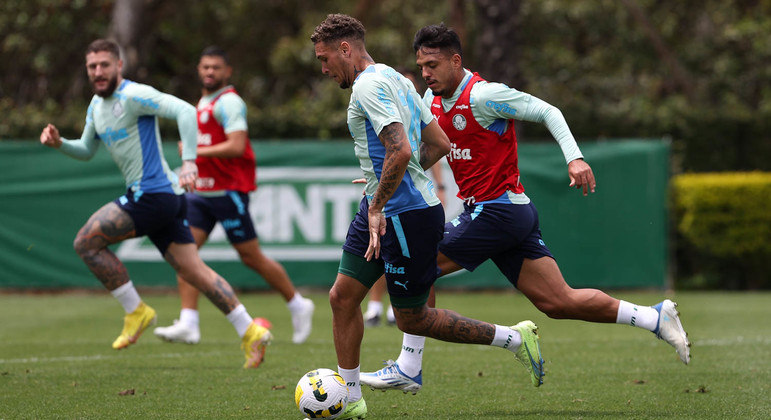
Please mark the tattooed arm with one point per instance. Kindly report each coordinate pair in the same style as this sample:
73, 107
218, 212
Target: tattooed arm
397, 156
434, 144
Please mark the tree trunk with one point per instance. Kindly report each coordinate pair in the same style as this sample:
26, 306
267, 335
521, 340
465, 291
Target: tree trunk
680, 77
496, 50
125, 28
363, 10
458, 19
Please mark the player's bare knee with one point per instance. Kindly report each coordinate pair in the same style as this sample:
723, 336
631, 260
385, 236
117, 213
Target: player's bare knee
83, 247
409, 327
338, 300
410, 322
189, 277
251, 260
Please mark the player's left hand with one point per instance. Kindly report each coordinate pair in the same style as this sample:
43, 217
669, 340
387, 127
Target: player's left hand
188, 175
360, 181
377, 228
581, 176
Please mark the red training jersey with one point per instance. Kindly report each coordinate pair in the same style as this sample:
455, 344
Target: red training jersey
483, 162
216, 174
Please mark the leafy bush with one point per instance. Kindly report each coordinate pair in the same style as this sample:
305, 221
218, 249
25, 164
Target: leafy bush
725, 220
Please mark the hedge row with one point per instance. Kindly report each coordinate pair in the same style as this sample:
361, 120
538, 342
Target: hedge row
723, 223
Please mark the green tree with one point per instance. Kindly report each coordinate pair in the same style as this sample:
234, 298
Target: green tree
698, 71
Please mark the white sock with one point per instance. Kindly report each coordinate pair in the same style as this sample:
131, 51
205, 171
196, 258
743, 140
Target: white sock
296, 303
637, 316
374, 307
189, 317
411, 358
507, 338
390, 314
240, 319
127, 296
351, 378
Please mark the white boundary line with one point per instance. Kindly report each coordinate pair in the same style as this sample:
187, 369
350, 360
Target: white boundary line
98, 357
710, 342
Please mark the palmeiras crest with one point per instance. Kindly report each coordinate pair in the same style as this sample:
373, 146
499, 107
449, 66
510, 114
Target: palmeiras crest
459, 122
117, 109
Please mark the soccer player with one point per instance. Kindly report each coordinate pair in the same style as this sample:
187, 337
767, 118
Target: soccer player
124, 116
225, 177
400, 219
375, 303
499, 222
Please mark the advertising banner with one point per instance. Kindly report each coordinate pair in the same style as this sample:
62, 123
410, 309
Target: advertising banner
616, 238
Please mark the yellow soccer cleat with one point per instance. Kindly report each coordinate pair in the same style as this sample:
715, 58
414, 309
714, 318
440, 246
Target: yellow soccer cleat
529, 353
355, 410
134, 324
254, 343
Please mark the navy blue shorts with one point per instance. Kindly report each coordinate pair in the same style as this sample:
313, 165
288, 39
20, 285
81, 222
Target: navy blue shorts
162, 217
408, 251
231, 210
505, 233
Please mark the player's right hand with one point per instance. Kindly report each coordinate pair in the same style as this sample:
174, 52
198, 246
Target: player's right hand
188, 174
50, 137
377, 228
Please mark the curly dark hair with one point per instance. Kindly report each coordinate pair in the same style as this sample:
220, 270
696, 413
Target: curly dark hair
338, 26
104, 45
438, 36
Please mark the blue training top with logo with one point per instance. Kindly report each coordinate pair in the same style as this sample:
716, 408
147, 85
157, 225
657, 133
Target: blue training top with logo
127, 124
381, 96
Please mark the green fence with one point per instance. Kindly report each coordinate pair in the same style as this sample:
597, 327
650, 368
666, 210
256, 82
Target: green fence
616, 238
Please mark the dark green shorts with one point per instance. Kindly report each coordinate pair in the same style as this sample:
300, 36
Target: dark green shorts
408, 253
368, 272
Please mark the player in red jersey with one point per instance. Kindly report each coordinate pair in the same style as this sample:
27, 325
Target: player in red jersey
499, 222
226, 175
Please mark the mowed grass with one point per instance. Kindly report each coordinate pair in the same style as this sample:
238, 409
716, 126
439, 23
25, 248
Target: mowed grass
56, 362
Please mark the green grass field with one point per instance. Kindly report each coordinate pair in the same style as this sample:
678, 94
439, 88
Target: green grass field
56, 362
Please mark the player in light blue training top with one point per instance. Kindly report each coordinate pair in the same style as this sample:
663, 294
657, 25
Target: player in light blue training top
400, 221
124, 116
382, 96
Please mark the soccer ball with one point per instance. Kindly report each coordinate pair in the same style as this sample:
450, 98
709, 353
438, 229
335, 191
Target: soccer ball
321, 394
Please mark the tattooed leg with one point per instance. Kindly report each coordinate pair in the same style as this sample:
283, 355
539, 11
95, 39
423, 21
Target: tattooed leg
109, 225
222, 295
188, 265
444, 324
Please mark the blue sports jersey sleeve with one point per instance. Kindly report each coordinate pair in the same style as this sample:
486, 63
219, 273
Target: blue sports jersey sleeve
148, 101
